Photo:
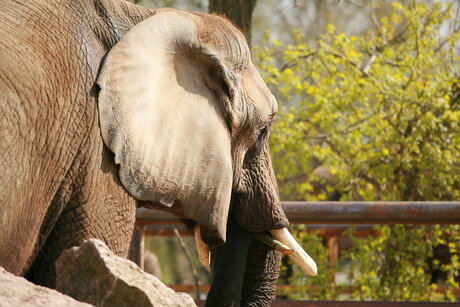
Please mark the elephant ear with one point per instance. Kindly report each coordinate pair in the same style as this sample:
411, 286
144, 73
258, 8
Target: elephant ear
162, 115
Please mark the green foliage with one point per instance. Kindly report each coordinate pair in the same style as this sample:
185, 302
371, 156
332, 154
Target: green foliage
173, 262
376, 112
399, 263
372, 118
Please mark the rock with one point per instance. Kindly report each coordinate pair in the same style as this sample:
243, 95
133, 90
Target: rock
92, 273
17, 291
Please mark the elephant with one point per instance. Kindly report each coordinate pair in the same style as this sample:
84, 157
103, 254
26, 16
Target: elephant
107, 106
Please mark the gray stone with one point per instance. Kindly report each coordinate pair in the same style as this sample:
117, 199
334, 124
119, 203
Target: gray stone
92, 273
17, 291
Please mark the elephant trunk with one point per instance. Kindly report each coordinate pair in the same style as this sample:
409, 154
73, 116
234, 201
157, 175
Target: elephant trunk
246, 271
257, 205
261, 276
229, 266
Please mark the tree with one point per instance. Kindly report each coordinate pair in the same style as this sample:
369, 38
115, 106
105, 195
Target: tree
239, 11
379, 111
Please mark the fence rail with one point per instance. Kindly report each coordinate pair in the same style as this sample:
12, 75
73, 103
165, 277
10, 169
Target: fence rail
327, 215
350, 213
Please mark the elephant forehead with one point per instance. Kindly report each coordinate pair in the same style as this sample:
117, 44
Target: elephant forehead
225, 39
261, 97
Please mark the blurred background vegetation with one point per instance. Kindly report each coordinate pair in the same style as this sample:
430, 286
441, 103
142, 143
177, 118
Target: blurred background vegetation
369, 97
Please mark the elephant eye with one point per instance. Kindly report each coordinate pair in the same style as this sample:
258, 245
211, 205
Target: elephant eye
263, 131
226, 89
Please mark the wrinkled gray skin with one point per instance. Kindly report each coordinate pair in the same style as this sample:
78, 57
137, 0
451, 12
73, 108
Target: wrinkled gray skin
60, 184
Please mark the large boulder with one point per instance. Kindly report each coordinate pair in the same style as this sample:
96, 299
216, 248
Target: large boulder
92, 273
17, 291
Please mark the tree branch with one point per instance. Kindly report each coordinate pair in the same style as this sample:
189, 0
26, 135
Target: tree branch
290, 64
189, 260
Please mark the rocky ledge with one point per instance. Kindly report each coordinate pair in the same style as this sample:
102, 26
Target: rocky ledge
91, 275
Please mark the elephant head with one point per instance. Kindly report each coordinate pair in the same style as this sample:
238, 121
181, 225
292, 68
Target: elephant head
188, 118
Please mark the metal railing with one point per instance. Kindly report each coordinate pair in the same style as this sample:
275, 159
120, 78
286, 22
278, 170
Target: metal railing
350, 213
331, 216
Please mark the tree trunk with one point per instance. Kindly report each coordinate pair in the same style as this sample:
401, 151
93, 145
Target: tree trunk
239, 11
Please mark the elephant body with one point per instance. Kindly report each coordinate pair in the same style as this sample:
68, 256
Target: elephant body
59, 185
106, 106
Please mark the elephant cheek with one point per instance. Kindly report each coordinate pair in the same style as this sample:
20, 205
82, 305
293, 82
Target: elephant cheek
258, 208
261, 275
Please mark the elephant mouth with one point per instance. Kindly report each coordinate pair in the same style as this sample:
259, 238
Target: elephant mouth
280, 239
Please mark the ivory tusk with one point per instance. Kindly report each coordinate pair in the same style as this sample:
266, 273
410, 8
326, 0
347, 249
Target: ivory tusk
275, 244
299, 256
202, 248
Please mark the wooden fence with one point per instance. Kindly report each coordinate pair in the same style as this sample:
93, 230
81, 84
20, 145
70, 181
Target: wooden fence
329, 217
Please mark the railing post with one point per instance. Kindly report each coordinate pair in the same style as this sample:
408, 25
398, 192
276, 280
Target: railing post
333, 248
